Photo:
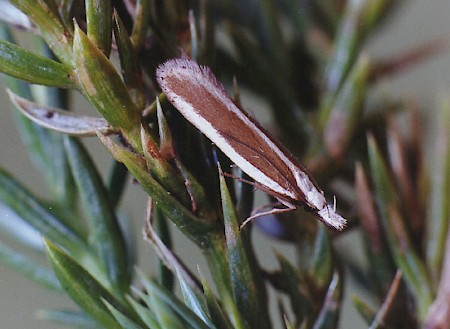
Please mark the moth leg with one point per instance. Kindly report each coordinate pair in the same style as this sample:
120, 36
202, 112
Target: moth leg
269, 212
256, 185
273, 205
243, 180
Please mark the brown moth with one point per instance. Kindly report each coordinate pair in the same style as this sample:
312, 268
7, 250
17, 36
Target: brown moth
203, 101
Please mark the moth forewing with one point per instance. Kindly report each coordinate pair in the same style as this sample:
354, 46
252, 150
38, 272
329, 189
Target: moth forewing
226, 145
202, 100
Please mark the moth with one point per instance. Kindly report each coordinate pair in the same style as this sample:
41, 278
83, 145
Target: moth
197, 94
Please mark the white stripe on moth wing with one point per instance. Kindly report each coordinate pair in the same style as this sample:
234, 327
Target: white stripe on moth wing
203, 76
214, 135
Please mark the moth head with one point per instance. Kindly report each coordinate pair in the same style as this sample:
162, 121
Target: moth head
329, 216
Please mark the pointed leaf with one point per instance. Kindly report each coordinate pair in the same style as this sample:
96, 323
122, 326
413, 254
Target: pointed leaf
220, 270
163, 314
60, 120
439, 203
346, 43
45, 15
406, 258
131, 71
329, 313
124, 321
401, 169
105, 230
170, 260
218, 316
345, 112
287, 323
26, 206
246, 282
195, 228
300, 304
161, 169
103, 87
28, 267
146, 314
365, 310
25, 65
439, 312
167, 148
379, 319
410, 263
84, 289
380, 260
194, 300
357, 22
65, 8
321, 263
69, 318
167, 318
165, 296
398, 63
176, 178
99, 24
194, 36
141, 22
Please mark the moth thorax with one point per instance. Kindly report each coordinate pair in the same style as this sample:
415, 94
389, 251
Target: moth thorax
312, 195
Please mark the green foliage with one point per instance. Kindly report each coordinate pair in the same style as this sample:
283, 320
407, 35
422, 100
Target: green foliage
34, 68
311, 68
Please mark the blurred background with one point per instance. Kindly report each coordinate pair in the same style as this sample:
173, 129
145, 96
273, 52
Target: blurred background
415, 23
